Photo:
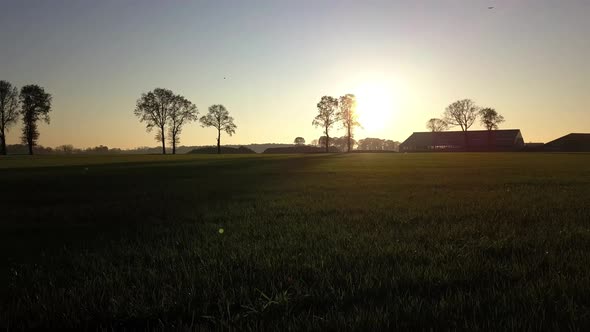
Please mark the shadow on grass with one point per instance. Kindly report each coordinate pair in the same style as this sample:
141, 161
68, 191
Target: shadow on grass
60, 211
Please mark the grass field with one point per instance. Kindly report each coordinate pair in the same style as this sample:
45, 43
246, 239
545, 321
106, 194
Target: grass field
363, 241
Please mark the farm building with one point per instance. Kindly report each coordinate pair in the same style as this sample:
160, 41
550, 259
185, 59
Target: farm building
474, 140
571, 143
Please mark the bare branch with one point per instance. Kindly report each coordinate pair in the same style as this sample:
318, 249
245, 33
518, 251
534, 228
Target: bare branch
461, 113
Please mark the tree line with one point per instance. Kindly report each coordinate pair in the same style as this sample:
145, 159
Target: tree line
65, 149
169, 112
30, 104
341, 143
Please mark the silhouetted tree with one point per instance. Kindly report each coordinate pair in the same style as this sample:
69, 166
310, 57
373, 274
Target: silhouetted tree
218, 117
35, 106
490, 118
326, 116
347, 114
299, 140
181, 112
462, 113
154, 108
8, 111
436, 125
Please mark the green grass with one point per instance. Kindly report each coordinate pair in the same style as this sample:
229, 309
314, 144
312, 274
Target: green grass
365, 241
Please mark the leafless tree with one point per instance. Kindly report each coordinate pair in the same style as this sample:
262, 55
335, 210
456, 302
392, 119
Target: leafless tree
35, 106
218, 117
436, 125
154, 109
8, 111
327, 116
347, 114
462, 113
181, 113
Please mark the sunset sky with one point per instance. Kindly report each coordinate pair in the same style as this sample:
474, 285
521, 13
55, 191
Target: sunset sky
406, 60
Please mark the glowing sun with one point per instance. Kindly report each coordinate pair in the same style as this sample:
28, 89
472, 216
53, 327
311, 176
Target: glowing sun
375, 105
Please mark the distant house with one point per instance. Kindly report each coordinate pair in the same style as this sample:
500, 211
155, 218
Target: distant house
474, 140
570, 143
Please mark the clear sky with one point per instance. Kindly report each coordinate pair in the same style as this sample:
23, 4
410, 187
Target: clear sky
529, 59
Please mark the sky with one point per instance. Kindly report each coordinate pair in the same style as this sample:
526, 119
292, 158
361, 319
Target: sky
270, 62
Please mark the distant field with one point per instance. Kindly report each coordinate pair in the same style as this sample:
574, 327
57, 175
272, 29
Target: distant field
363, 241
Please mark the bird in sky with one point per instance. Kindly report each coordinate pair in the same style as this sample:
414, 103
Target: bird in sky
491, 7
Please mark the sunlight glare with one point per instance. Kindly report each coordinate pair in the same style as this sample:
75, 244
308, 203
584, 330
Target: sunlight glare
375, 106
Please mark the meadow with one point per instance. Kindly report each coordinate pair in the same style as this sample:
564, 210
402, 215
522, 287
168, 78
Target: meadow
479, 241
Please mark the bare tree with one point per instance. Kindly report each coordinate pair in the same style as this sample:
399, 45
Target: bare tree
181, 112
8, 111
490, 118
299, 140
461, 113
35, 106
436, 125
154, 109
218, 117
326, 116
347, 114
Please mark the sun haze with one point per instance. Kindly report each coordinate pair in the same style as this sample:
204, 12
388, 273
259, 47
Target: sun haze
269, 63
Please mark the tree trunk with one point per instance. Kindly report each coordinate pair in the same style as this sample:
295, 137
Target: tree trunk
2, 136
327, 141
30, 147
2, 144
219, 141
163, 140
349, 138
174, 140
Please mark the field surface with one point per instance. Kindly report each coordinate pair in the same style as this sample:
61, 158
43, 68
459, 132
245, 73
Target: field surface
491, 241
